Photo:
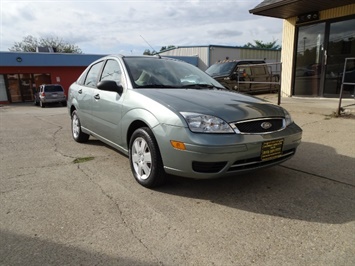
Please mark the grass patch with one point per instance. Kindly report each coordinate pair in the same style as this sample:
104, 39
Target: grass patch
83, 159
341, 115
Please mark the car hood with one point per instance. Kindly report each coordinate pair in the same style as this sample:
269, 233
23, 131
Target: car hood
230, 106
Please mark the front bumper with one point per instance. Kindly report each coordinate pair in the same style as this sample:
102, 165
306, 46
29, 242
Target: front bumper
216, 155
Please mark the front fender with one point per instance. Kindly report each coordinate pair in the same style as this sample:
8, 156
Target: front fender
139, 117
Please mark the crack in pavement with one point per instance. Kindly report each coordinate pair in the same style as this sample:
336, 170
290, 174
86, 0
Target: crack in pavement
54, 136
120, 214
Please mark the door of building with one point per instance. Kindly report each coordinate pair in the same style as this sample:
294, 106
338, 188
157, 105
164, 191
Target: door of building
27, 87
320, 56
310, 60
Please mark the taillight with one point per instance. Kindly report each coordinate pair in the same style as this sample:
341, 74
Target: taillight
43, 94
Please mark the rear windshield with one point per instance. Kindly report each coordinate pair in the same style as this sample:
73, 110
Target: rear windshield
53, 88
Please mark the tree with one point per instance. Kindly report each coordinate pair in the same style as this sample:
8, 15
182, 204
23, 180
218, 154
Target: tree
162, 49
261, 44
30, 43
167, 48
148, 52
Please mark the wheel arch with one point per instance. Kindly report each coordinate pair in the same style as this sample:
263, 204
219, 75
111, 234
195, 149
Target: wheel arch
72, 109
133, 127
135, 119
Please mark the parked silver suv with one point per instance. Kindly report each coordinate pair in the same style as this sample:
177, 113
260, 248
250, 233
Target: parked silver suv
50, 93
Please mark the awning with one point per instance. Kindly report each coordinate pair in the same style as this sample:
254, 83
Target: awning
291, 8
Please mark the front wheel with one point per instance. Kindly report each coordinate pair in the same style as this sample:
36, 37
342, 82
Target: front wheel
145, 159
77, 134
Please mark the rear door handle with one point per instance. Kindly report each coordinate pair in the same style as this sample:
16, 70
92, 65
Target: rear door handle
80, 91
97, 96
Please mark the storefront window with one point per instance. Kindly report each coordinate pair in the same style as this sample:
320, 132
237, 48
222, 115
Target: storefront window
321, 52
341, 45
3, 94
14, 88
21, 87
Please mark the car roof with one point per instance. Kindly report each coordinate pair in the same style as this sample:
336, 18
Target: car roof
240, 60
138, 56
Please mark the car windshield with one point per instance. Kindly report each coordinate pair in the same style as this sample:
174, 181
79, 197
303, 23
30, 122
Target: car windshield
221, 69
53, 88
155, 72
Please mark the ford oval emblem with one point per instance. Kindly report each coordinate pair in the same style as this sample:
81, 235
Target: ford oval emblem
266, 125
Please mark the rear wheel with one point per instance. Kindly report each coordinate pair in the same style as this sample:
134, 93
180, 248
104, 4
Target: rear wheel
77, 134
145, 159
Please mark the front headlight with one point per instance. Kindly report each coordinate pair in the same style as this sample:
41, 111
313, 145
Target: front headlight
288, 118
201, 123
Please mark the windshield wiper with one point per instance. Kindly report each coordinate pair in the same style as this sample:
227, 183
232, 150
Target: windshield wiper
201, 86
155, 86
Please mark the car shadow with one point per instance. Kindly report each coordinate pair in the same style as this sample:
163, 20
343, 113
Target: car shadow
52, 105
37, 251
293, 190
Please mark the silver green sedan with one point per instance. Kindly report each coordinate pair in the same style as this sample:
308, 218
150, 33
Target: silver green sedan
169, 117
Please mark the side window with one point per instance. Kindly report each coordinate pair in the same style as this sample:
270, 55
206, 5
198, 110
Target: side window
81, 79
259, 70
247, 70
91, 78
112, 71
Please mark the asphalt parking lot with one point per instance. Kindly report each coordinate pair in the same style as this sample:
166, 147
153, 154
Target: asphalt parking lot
55, 210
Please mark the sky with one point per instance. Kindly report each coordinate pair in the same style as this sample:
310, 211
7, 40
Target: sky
127, 27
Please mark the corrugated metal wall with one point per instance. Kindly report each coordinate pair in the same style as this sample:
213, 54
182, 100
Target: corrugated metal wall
202, 52
288, 39
209, 55
223, 53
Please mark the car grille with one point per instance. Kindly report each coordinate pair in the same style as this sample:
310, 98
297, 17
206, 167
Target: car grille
208, 167
259, 126
257, 162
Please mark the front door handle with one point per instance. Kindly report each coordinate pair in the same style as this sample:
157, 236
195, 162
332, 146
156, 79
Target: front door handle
80, 91
97, 96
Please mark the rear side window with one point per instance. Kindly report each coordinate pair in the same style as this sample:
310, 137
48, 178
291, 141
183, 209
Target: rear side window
53, 88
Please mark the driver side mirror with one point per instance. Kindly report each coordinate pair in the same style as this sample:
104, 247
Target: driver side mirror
110, 85
234, 76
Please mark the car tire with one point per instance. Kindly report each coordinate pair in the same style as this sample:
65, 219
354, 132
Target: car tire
42, 104
64, 103
145, 159
77, 134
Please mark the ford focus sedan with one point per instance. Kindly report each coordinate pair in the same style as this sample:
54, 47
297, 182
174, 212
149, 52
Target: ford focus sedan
170, 118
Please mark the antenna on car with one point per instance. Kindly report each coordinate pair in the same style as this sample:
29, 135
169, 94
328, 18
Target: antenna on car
151, 47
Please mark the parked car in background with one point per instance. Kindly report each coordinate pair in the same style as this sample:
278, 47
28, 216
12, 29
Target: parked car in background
169, 117
50, 93
249, 76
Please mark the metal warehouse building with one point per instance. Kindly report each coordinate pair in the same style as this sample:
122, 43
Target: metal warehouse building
210, 54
